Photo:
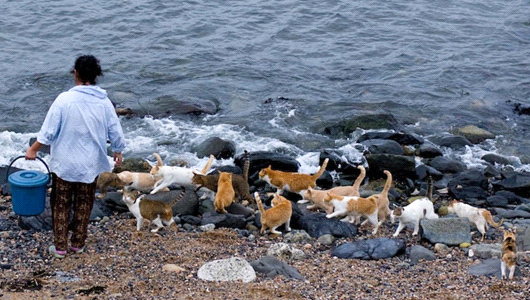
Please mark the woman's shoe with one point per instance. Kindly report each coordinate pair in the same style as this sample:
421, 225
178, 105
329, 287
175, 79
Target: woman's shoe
77, 250
56, 253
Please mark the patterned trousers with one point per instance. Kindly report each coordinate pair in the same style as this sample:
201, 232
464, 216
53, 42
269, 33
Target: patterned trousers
66, 195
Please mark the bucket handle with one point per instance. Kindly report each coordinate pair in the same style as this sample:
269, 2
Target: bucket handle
22, 156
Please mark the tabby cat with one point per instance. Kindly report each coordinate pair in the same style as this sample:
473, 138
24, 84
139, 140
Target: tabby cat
158, 212
280, 213
239, 182
509, 253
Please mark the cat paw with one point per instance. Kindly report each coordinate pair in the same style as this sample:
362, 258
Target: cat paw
395, 235
329, 216
302, 201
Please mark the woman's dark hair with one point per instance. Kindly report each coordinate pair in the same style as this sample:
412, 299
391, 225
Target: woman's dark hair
88, 68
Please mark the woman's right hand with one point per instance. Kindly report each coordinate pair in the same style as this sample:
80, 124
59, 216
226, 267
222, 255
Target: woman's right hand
31, 154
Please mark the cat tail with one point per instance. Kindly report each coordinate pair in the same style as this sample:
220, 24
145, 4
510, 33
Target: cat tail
360, 178
487, 215
321, 171
178, 197
260, 205
388, 182
246, 165
208, 165
158, 159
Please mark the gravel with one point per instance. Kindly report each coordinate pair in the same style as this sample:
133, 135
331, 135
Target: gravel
120, 263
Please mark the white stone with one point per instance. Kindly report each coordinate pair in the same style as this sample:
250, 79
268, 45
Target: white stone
230, 269
173, 268
283, 250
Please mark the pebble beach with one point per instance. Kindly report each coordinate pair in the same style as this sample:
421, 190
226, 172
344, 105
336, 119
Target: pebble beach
120, 263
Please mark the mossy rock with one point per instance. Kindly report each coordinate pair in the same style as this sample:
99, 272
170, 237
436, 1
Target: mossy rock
374, 121
442, 211
464, 245
133, 165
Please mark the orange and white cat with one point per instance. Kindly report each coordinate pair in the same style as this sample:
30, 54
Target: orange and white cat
478, 216
225, 192
158, 212
509, 253
413, 214
291, 181
280, 213
316, 197
383, 209
354, 206
173, 174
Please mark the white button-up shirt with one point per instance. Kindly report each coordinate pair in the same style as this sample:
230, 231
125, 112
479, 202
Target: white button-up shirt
77, 127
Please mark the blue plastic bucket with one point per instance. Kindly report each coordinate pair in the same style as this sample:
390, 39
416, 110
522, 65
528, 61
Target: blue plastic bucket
28, 190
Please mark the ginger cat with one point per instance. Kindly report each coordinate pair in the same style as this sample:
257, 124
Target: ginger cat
478, 216
291, 181
382, 200
280, 213
174, 175
509, 253
316, 197
160, 213
225, 192
239, 182
354, 206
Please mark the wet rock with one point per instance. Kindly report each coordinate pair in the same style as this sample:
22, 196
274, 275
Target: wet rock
230, 269
240, 209
221, 149
379, 146
273, 267
489, 267
474, 134
511, 213
340, 163
192, 220
399, 137
429, 151
317, 225
347, 126
424, 171
262, 159
448, 231
469, 178
377, 248
418, 253
512, 197
519, 183
446, 165
497, 201
496, 159
399, 165
455, 142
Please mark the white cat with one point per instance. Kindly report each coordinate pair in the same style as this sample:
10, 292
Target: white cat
174, 175
478, 216
412, 214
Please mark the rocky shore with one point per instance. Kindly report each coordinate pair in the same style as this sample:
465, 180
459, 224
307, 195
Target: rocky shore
320, 259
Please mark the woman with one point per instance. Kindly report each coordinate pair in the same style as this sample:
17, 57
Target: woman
77, 127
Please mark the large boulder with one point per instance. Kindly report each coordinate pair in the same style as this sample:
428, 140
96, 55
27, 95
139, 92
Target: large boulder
399, 165
474, 134
446, 165
262, 159
400, 137
378, 248
221, 149
379, 146
448, 231
519, 183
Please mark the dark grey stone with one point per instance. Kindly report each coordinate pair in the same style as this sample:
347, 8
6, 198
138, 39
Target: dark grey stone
490, 267
448, 231
418, 253
273, 267
317, 225
379, 146
378, 248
